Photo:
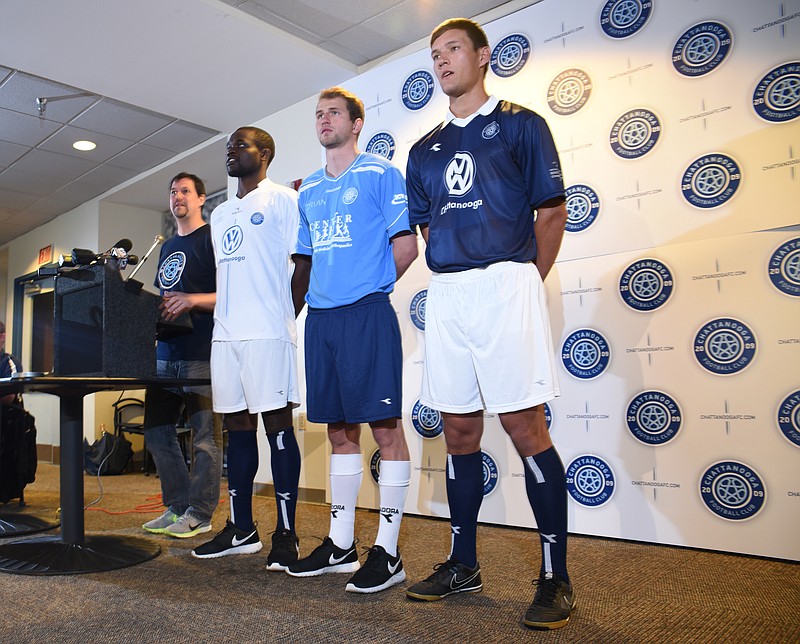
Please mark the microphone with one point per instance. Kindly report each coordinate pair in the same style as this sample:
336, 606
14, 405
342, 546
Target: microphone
158, 240
123, 244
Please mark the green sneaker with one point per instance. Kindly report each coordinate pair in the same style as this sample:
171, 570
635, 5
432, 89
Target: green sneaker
160, 524
187, 525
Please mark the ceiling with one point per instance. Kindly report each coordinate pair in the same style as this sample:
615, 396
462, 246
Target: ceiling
157, 80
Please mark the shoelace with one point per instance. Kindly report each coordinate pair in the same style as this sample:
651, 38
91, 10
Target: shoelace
373, 558
283, 539
546, 591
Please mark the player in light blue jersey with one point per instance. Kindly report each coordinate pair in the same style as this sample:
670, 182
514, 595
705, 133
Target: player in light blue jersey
354, 229
485, 188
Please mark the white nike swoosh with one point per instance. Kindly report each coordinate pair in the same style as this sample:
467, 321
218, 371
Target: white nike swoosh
238, 542
393, 569
456, 583
333, 561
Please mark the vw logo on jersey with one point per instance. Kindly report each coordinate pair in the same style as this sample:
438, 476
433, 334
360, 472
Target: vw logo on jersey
646, 285
381, 144
548, 416
417, 90
724, 346
349, 196
375, 465
789, 418
777, 95
583, 206
232, 239
585, 354
417, 308
491, 130
635, 133
426, 421
784, 267
460, 173
732, 490
590, 481
569, 91
711, 180
510, 55
489, 473
702, 48
171, 269
623, 18
653, 418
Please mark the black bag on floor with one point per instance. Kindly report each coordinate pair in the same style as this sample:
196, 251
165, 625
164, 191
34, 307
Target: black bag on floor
18, 457
116, 451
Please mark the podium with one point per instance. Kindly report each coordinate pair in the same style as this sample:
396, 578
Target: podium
101, 328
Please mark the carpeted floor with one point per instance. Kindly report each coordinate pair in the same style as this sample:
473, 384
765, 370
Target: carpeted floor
627, 592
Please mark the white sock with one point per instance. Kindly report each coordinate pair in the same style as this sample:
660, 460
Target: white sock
393, 482
346, 472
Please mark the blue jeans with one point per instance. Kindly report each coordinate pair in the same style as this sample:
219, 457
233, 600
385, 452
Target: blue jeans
196, 491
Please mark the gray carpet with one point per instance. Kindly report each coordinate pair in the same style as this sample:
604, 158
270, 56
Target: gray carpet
627, 592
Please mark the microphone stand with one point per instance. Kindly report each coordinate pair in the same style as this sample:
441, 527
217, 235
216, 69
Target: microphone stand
135, 286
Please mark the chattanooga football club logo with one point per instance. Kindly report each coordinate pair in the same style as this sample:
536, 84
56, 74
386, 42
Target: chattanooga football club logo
510, 55
732, 490
417, 90
724, 346
232, 239
711, 180
417, 309
623, 18
491, 130
590, 481
569, 91
460, 173
702, 48
170, 271
653, 417
635, 133
256, 219
349, 196
548, 416
585, 354
426, 421
381, 144
375, 465
789, 418
583, 206
489, 473
784, 268
777, 95
646, 285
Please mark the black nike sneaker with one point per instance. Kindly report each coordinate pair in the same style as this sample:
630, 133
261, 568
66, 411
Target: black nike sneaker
326, 557
285, 548
379, 572
231, 541
448, 578
552, 605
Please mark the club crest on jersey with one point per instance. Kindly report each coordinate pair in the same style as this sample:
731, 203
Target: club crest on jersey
623, 18
170, 271
232, 239
702, 48
491, 130
789, 418
590, 481
349, 196
653, 418
724, 346
257, 218
490, 475
460, 174
784, 268
777, 95
583, 206
417, 90
732, 490
510, 55
381, 144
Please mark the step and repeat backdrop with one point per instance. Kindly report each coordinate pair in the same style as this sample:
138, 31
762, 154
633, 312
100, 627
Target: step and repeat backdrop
675, 302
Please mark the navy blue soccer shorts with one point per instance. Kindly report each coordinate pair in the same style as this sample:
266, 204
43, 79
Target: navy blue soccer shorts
354, 362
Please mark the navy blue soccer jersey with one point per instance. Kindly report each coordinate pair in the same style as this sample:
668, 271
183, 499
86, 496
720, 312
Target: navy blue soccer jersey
476, 186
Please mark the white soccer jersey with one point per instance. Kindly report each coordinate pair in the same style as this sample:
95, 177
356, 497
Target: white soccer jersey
254, 238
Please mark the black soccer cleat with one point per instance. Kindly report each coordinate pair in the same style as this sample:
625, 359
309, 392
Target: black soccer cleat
552, 605
448, 578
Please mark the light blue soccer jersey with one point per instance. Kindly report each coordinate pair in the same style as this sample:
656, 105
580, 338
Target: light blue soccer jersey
346, 224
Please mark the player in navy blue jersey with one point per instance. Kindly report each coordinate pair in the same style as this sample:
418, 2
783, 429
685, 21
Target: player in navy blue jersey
354, 229
486, 190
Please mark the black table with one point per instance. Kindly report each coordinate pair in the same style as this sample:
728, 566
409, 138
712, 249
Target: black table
73, 552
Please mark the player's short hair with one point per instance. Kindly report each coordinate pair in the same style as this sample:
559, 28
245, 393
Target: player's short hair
262, 139
199, 186
355, 106
474, 32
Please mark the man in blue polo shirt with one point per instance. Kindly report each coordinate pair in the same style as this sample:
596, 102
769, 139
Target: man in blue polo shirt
485, 188
354, 227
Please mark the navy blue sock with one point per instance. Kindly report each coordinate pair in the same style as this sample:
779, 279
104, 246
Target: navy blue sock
545, 484
242, 467
464, 496
285, 462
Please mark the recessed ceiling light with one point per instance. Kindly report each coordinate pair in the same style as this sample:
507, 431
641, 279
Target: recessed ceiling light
84, 146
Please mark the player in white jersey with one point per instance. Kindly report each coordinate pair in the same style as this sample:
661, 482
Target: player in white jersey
254, 346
